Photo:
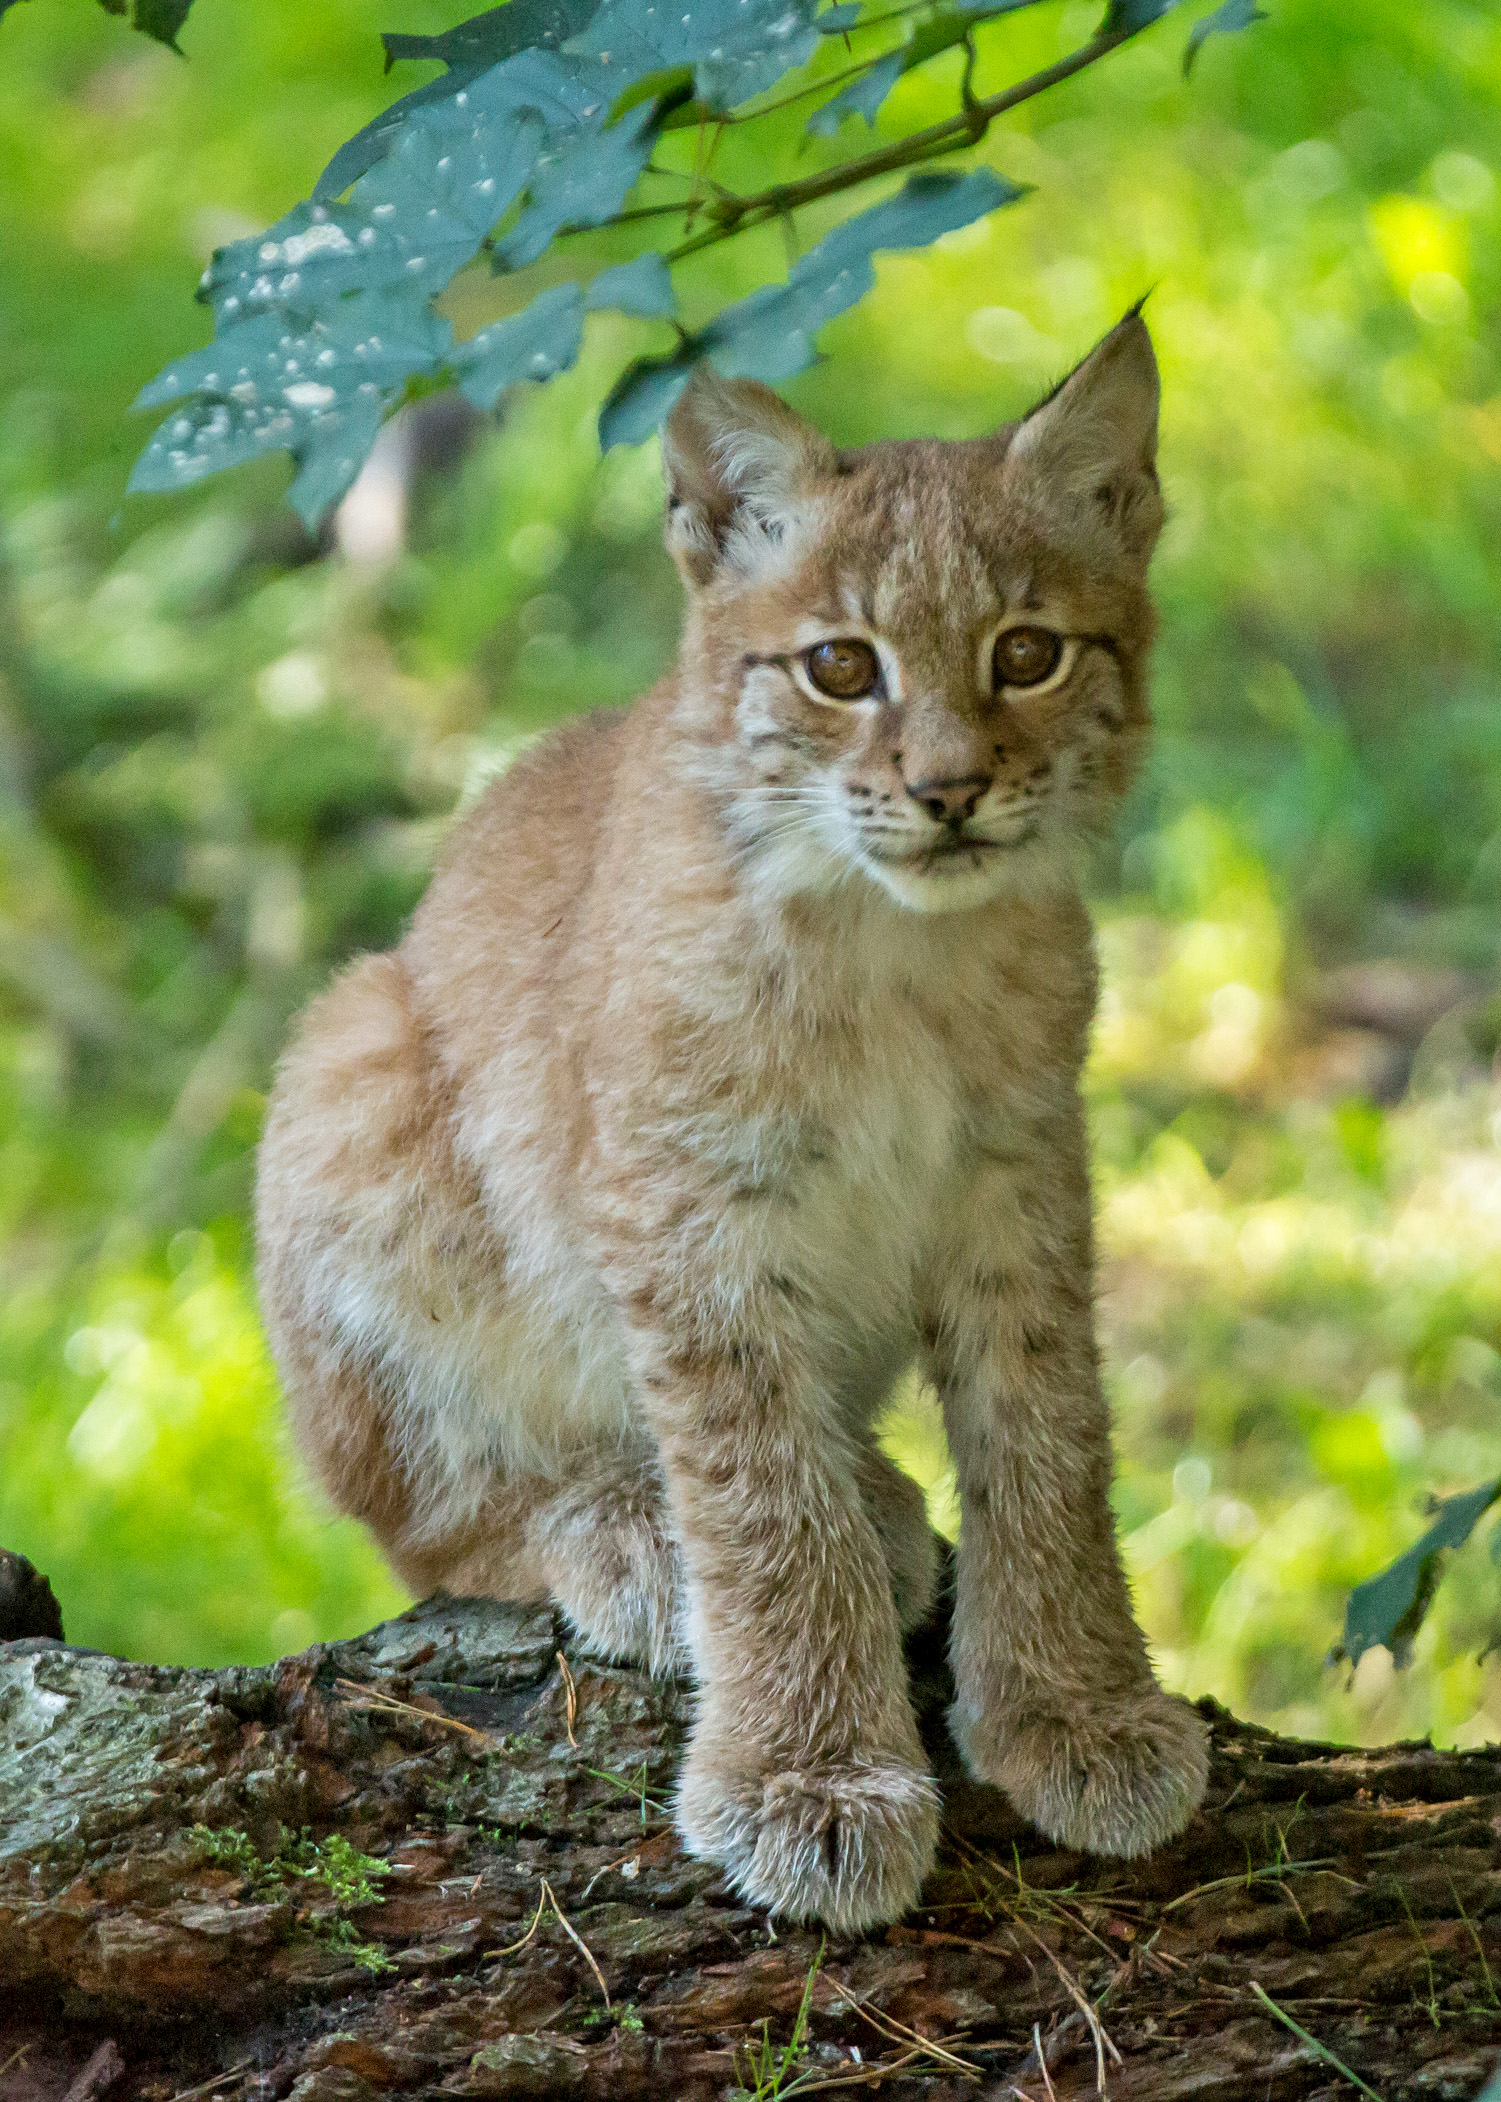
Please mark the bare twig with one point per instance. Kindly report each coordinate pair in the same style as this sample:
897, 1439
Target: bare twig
99, 2074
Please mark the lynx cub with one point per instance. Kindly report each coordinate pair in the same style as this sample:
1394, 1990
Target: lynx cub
731, 1064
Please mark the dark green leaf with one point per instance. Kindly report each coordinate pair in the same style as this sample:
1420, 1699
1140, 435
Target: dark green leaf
264, 387
770, 335
639, 401
161, 18
374, 142
535, 344
582, 178
671, 90
1389, 1609
468, 50
154, 18
484, 40
862, 97
1128, 16
941, 32
335, 450
643, 287
737, 48
1229, 16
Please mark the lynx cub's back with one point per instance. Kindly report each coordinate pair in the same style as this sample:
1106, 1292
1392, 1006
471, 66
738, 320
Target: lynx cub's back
731, 1064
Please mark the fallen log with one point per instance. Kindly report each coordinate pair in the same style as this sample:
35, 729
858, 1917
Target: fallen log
438, 1860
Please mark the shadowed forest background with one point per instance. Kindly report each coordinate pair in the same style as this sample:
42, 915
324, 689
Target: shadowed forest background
228, 753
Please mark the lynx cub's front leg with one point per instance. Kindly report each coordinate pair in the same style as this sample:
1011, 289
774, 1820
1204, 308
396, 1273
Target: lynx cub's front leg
1056, 1703
805, 1779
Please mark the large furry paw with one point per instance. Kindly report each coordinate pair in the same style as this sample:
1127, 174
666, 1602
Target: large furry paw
616, 1573
846, 1844
1117, 1779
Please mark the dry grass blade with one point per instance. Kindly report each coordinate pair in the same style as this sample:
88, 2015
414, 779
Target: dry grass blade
549, 1897
857, 2076
571, 1694
1042, 2062
896, 2032
204, 2087
1097, 2029
512, 1948
577, 1939
1274, 1871
371, 1697
1313, 2043
15, 2058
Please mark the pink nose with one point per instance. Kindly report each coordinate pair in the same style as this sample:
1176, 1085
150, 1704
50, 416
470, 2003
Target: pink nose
949, 802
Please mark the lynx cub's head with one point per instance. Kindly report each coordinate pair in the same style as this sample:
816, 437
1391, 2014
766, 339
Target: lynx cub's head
918, 665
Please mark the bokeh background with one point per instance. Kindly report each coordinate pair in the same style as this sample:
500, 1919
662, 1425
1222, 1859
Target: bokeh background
227, 754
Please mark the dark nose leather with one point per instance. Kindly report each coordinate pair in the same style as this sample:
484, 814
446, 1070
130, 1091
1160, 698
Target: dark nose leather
949, 802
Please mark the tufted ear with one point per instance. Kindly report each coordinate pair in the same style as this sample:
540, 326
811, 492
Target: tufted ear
1093, 442
736, 459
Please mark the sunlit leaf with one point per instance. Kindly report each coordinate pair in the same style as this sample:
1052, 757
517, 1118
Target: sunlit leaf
737, 48
1229, 16
1388, 1609
770, 335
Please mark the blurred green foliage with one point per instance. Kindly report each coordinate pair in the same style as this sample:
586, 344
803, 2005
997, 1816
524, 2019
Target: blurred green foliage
226, 765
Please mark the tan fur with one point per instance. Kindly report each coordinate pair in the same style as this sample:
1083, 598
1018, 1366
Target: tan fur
731, 1062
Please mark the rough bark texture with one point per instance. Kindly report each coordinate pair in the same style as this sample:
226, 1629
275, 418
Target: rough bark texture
185, 1907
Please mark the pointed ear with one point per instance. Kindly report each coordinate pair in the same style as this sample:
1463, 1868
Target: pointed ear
1093, 442
736, 459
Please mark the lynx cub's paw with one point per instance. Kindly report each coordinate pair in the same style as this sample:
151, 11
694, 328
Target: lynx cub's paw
847, 1844
1120, 1780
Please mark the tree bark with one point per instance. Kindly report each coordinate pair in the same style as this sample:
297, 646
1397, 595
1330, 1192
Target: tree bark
438, 1860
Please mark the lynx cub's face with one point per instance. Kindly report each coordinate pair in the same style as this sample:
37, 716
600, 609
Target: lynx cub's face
918, 665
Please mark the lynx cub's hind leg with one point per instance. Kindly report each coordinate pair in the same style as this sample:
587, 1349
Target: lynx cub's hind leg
610, 1562
898, 1510
608, 1557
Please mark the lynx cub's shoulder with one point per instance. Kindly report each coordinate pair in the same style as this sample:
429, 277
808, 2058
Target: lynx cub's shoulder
731, 1065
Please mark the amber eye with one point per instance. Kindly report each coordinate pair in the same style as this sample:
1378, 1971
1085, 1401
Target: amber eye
1026, 656
845, 671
